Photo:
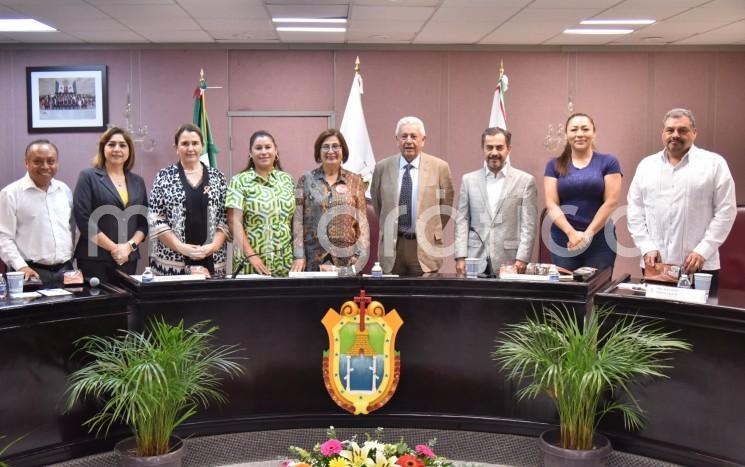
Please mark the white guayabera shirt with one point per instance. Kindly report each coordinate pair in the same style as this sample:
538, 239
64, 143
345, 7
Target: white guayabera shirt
683, 208
35, 225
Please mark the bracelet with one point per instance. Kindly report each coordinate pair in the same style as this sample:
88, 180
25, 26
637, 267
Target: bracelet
251, 256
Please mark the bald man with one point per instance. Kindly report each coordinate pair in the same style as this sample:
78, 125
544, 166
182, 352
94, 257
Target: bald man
36, 233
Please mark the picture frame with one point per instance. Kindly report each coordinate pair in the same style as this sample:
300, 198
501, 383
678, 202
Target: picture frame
67, 99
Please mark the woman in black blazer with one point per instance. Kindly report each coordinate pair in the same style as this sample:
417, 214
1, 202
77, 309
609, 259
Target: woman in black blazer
110, 208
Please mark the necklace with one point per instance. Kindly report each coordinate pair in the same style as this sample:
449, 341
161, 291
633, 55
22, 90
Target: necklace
117, 181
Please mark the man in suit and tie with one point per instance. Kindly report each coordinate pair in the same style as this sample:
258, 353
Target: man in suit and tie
496, 218
412, 193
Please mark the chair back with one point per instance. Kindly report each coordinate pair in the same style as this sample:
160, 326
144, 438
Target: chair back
732, 255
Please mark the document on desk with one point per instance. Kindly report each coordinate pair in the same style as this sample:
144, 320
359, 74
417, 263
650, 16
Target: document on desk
253, 276
313, 274
177, 278
54, 292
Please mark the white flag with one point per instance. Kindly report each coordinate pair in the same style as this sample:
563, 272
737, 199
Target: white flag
354, 128
498, 115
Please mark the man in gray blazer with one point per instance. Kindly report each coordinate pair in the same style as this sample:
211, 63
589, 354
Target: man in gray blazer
496, 219
412, 193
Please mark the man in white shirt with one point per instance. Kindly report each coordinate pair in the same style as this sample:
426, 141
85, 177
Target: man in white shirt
36, 234
496, 215
681, 202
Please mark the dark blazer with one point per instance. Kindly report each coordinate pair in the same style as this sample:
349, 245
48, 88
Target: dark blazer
95, 189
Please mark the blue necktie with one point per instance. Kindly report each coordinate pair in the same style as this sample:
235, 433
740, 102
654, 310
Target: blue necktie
404, 201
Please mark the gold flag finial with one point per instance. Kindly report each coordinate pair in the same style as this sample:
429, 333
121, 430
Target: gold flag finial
201, 74
501, 68
357, 65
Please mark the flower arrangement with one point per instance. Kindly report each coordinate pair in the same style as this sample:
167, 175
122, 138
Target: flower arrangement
370, 453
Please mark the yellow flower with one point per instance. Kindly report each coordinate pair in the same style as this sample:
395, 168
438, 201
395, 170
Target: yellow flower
382, 461
338, 462
356, 455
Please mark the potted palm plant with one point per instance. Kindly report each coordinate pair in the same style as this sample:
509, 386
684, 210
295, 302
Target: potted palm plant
152, 381
577, 367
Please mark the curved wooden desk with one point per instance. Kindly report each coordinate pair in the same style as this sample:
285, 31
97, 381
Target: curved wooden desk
448, 380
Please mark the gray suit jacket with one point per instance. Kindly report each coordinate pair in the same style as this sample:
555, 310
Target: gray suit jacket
510, 233
434, 206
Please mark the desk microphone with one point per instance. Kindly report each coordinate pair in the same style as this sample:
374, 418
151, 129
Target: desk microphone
240, 267
94, 282
244, 260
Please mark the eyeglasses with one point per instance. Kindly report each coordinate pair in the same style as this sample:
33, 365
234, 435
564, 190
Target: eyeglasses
330, 148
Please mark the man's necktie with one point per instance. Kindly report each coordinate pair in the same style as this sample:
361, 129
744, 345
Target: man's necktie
404, 201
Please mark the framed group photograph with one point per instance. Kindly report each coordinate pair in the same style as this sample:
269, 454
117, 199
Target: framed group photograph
67, 98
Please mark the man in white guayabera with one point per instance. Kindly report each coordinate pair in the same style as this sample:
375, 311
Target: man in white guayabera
682, 201
36, 226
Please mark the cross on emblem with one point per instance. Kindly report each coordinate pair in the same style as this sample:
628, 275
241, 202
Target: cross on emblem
362, 301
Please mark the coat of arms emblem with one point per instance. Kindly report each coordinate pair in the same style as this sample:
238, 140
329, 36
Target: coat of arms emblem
361, 367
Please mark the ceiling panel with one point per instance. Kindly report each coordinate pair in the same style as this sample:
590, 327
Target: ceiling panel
237, 25
224, 9
109, 36
646, 9
305, 10
519, 34
307, 2
576, 39
380, 38
491, 4
159, 18
175, 36
132, 3
478, 13
371, 27
383, 14
453, 32
726, 34
315, 37
403, 3
7, 12
573, 4
44, 37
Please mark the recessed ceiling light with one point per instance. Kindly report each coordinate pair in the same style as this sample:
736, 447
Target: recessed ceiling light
617, 21
309, 29
309, 20
23, 25
598, 31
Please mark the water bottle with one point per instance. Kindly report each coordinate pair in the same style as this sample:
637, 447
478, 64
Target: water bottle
684, 282
3, 286
553, 273
147, 275
377, 271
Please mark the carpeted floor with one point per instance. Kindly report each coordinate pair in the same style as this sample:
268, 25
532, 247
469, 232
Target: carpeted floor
269, 448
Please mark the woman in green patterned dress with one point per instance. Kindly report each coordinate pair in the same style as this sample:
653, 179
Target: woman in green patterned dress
261, 204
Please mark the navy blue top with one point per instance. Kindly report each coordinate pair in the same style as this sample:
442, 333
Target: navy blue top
583, 188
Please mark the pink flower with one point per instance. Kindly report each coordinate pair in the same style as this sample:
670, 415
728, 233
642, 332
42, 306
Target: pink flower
424, 450
331, 447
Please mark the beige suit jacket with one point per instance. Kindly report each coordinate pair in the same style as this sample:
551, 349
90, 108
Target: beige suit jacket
507, 235
434, 209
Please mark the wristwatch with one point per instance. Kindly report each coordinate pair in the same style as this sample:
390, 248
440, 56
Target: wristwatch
132, 245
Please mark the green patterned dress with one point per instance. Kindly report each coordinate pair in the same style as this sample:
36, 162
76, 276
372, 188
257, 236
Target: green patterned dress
268, 206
